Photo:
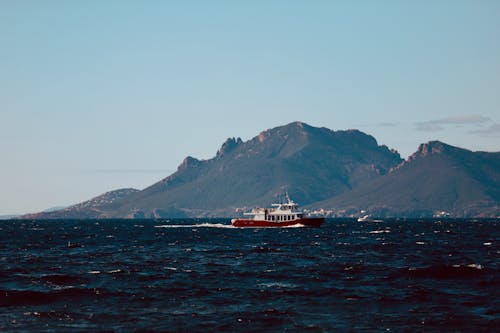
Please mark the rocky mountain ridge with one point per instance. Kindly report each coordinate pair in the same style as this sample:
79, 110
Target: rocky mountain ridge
343, 172
437, 180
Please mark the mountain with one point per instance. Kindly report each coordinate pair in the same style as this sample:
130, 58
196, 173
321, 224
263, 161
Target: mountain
311, 163
341, 171
437, 180
91, 209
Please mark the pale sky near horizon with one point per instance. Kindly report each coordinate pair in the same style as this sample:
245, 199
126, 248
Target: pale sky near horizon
101, 95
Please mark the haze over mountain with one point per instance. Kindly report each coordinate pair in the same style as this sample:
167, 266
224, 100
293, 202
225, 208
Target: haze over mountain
344, 171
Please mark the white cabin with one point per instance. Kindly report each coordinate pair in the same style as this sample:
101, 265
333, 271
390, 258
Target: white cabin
280, 212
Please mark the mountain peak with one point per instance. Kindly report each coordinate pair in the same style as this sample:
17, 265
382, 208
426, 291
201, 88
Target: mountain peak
432, 147
429, 148
188, 162
298, 125
229, 145
284, 131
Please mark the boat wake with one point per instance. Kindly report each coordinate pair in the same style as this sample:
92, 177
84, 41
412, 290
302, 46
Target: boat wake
199, 225
221, 226
298, 225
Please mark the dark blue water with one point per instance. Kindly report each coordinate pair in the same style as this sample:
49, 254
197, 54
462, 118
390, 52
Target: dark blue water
201, 275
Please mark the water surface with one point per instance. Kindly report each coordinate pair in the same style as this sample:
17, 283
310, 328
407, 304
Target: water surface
204, 275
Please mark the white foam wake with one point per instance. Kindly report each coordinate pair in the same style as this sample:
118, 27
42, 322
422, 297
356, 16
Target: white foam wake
200, 225
298, 225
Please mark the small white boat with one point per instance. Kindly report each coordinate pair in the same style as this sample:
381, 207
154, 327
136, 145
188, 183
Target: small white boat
368, 218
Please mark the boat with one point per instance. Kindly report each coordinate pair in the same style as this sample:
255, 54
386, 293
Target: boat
368, 218
284, 214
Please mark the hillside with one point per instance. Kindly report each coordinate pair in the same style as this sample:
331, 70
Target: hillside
90, 209
437, 180
311, 163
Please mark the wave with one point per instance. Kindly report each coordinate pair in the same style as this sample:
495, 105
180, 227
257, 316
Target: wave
379, 231
262, 249
448, 272
31, 297
61, 279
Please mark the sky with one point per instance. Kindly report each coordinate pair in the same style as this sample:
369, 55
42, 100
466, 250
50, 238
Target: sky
101, 95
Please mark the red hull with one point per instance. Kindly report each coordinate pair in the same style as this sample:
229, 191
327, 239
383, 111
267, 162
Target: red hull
307, 222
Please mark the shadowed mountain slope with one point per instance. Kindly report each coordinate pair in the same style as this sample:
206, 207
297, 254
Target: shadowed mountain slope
311, 163
438, 179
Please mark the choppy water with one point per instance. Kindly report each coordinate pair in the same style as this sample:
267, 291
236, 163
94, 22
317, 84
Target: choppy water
203, 275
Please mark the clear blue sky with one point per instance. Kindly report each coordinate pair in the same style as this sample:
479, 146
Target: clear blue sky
100, 95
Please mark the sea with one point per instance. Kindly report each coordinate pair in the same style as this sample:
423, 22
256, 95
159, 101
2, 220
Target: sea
202, 275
